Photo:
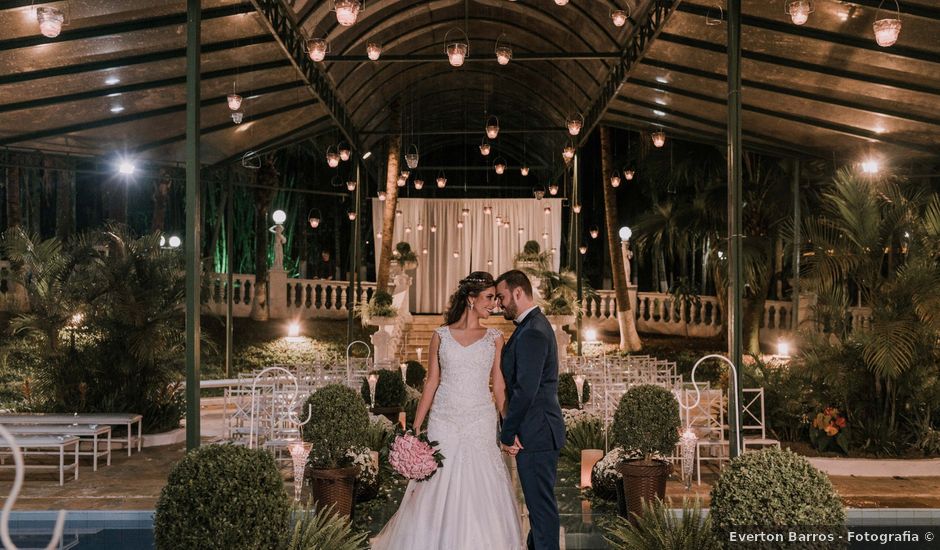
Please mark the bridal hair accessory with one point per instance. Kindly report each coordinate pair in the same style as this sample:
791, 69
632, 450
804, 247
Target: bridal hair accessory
414, 456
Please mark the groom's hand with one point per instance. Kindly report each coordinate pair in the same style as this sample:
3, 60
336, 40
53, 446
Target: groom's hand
512, 449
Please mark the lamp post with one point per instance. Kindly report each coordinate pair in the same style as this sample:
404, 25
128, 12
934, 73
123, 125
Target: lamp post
625, 234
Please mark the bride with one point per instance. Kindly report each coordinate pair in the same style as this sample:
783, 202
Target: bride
469, 502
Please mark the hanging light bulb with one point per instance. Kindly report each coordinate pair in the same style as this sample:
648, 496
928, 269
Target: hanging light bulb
374, 51
499, 166
492, 127
382, 196
317, 48
619, 18
553, 189
237, 117
659, 138
351, 185
524, 171
347, 11
234, 101
50, 21
595, 232
799, 11
344, 152
615, 180
576, 208
419, 184
456, 51
352, 216
441, 182
575, 124
628, 175
887, 29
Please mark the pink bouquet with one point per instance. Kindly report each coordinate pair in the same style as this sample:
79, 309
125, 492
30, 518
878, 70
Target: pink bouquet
414, 457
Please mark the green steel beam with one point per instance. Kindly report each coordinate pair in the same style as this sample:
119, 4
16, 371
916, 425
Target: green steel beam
110, 29
152, 57
793, 63
440, 58
800, 119
120, 119
806, 31
579, 258
789, 92
797, 246
906, 8
193, 242
735, 225
277, 17
303, 133
139, 86
642, 37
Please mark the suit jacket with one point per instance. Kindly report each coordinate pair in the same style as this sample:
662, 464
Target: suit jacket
530, 368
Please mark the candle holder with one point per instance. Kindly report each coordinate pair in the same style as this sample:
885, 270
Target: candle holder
419, 351
299, 452
589, 457
404, 368
373, 380
687, 443
579, 384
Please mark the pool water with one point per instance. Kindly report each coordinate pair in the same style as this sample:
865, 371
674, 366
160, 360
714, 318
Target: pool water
86, 530
90, 539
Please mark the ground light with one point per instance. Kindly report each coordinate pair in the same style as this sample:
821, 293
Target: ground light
783, 348
293, 329
590, 336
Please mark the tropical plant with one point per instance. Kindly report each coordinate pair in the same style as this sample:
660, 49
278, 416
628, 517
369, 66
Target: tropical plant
586, 432
829, 428
647, 419
774, 488
380, 306
533, 256
324, 529
659, 528
222, 497
389, 389
340, 421
404, 254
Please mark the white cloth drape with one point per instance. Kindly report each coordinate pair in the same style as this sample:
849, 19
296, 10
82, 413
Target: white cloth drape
480, 244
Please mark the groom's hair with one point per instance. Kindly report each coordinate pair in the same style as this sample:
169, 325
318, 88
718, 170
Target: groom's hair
516, 279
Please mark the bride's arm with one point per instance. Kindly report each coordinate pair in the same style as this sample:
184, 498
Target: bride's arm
430, 385
499, 383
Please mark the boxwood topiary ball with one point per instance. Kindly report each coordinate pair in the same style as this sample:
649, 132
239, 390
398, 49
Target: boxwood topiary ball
568, 391
222, 497
415, 374
647, 419
775, 488
340, 421
389, 389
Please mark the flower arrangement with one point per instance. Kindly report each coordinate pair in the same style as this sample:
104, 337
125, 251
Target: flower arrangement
604, 475
574, 417
367, 480
829, 427
414, 457
380, 306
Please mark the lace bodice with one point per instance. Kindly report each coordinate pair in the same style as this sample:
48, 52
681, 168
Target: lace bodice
465, 371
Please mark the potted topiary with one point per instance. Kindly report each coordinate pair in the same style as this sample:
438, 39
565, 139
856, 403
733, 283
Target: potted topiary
378, 311
222, 497
568, 391
415, 374
340, 421
405, 256
773, 489
647, 419
390, 394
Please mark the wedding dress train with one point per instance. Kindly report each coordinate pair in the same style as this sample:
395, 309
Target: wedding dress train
469, 503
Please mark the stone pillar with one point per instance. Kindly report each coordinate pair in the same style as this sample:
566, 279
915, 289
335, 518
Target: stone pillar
277, 294
562, 338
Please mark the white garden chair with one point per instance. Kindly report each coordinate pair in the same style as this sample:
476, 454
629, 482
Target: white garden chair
753, 420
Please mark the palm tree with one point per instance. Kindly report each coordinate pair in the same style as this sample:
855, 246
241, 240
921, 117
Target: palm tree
384, 261
264, 194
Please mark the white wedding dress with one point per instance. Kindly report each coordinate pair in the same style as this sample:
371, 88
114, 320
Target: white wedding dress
469, 503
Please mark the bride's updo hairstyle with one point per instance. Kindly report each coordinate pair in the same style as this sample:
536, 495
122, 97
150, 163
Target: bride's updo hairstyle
471, 286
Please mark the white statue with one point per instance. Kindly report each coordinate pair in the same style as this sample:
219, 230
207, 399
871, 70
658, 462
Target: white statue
279, 240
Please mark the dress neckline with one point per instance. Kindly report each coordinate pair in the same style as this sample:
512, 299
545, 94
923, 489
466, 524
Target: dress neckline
475, 342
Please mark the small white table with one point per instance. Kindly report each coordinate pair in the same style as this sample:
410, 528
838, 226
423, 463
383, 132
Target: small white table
112, 419
43, 445
98, 434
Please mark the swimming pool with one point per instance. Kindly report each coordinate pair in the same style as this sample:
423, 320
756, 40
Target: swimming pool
86, 530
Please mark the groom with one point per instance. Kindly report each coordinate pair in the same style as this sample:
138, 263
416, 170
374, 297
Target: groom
533, 429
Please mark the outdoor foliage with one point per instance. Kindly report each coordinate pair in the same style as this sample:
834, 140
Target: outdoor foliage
583, 430
222, 497
658, 528
774, 488
647, 419
389, 389
568, 391
324, 530
379, 306
604, 475
340, 421
415, 373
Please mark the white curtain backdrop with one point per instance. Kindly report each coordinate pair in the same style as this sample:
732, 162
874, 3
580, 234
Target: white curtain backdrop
480, 244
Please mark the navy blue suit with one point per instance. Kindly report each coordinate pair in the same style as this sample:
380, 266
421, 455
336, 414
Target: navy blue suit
530, 368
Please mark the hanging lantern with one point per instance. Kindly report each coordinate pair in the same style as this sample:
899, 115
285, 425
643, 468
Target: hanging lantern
313, 218
419, 184
317, 49
538, 193
405, 174
374, 51
382, 196
420, 226
460, 224
887, 29
411, 159
492, 127
347, 11
424, 251
50, 21
344, 152
433, 229
352, 216
524, 171
332, 157
465, 212
628, 175
407, 230
561, 2
521, 230
619, 18
574, 124
499, 166
659, 138
504, 52
398, 213
545, 237
615, 180
799, 11
568, 153
237, 117
498, 220
505, 224
487, 209
576, 208
595, 232
547, 210
351, 185
456, 254
485, 148
582, 249
234, 101
402, 181
441, 182
553, 189
456, 51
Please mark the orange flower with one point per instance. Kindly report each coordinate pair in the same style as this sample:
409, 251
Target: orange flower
831, 430
840, 422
